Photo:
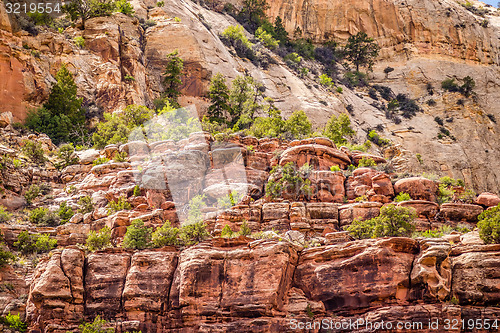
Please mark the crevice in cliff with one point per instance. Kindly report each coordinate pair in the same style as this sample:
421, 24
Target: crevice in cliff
165, 304
122, 302
223, 274
67, 277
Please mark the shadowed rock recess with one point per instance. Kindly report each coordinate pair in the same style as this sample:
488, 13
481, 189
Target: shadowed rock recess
279, 253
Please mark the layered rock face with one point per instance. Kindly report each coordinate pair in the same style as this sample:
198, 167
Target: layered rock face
400, 27
455, 43
264, 285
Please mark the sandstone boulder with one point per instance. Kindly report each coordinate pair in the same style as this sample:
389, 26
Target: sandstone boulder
460, 212
357, 274
418, 188
423, 208
488, 199
319, 157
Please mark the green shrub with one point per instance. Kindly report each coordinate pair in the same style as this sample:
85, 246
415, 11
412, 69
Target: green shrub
166, 235
245, 229
227, 232
137, 191
402, 197
117, 127
97, 326
192, 233
366, 162
355, 79
468, 196
374, 137
293, 59
99, 240
79, 41
34, 151
65, 212
289, 179
445, 194
334, 168
137, 236
100, 160
160, 4
325, 80
118, 205
120, 157
43, 217
266, 38
235, 36
34, 192
86, 205
124, 7
228, 200
14, 322
489, 225
449, 85
34, 243
5, 255
393, 221
4, 215
67, 154
129, 77
338, 128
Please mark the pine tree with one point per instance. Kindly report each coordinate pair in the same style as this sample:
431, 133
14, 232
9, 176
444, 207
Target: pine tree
172, 76
279, 31
361, 50
62, 114
219, 97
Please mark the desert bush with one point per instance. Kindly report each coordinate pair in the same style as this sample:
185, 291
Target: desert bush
489, 225
338, 128
117, 127
5, 255
86, 205
374, 137
289, 179
402, 197
79, 41
227, 232
366, 162
245, 229
166, 235
266, 38
228, 200
4, 215
137, 236
97, 326
100, 160
34, 151
124, 7
34, 243
450, 85
325, 80
235, 36
99, 240
67, 154
120, 156
118, 205
43, 217
393, 221
14, 322
65, 212
192, 233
